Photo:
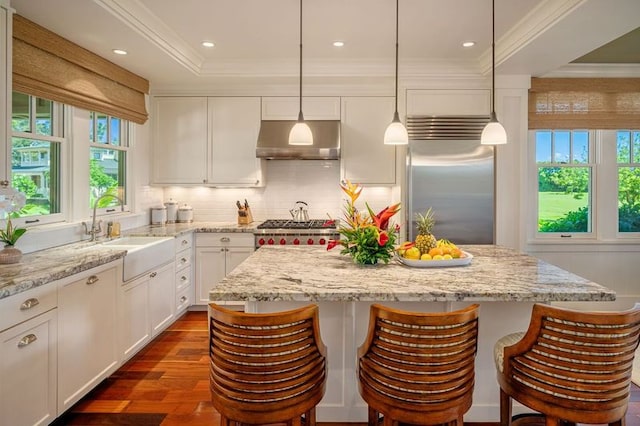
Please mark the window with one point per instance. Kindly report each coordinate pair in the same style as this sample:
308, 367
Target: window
36, 144
565, 176
628, 158
109, 143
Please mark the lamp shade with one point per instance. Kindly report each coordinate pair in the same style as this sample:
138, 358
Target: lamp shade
396, 134
493, 133
300, 134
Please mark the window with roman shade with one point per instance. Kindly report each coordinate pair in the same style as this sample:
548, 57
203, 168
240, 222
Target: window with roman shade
49, 66
584, 103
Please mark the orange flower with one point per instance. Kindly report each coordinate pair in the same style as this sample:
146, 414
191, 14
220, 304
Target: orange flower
383, 238
352, 190
381, 220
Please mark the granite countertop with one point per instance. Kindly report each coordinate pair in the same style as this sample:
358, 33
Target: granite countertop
315, 274
45, 266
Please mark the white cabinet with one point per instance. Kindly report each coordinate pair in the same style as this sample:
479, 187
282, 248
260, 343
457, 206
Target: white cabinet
212, 141
28, 358
313, 107
180, 140
184, 273
135, 326
365, 158
87, 332
162, 296
217, 254
448, 102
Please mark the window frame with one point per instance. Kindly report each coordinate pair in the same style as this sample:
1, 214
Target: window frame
618, 166
60, 130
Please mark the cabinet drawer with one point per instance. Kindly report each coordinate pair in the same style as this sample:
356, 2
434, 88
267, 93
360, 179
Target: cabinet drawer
183, 279
183, 300
183, 260
26, 305
237, 239
184, 242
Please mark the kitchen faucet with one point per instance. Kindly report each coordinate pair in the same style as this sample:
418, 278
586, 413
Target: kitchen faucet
97, 229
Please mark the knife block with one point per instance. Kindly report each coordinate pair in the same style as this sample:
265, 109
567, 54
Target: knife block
244, 216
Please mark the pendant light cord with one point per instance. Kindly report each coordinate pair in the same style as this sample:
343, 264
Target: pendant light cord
493, 57
300, 117
397, 13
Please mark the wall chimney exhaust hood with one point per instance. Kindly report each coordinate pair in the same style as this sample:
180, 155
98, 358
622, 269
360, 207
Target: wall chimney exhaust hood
273, 141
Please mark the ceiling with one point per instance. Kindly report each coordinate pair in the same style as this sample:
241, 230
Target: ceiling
258, 40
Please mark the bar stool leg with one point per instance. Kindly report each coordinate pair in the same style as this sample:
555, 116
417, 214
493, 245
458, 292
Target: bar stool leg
505, 409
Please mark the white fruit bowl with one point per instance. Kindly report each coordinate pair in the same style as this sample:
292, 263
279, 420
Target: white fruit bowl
461, 261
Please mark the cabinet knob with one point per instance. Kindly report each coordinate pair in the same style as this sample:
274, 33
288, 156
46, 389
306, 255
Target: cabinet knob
27, 340
29, 303
153, 274
184, 242
183, 260
225, 239
183, 299
92, 279
183, 278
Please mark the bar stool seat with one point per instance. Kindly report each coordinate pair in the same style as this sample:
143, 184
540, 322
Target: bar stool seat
571, 366
418, 368
266, 368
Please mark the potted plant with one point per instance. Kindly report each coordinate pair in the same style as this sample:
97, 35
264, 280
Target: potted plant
11, 201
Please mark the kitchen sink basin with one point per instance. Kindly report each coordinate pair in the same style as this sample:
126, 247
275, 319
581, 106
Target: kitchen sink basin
143, 253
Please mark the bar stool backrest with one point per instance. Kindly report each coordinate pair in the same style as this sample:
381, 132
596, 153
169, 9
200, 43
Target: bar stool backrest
418, 368
266, 368
574, 365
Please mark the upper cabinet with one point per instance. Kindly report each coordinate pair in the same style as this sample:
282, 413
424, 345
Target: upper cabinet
313, 107
5, 89
448, 102
365, 158
206, 141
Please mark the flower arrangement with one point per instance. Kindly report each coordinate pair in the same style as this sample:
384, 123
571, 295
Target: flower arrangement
367, 237
11, 201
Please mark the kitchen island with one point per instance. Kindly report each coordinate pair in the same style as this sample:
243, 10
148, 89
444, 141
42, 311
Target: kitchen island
505, 282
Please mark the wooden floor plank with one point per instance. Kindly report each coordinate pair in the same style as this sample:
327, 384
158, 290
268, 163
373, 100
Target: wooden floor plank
167, 384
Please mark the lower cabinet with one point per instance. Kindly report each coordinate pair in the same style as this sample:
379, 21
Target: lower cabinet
146, 307
28, 371
87, 332
217, 254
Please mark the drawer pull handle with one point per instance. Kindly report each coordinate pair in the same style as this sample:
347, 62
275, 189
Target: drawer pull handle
92, 279
183, 299
225, 239
27, 340
153, 274
29, 303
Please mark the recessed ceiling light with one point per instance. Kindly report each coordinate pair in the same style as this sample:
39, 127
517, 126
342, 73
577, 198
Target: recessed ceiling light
119, 52
468, 44
338, 43
208, 44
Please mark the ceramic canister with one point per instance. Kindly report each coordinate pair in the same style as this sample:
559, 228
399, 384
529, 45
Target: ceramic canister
158, 215
185, 214
172, 211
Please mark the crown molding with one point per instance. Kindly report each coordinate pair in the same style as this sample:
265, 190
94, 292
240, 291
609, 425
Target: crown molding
134, 14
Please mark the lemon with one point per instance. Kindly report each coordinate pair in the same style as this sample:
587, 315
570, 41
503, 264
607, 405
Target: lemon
412, 253
438, 257
447, 257
425, 256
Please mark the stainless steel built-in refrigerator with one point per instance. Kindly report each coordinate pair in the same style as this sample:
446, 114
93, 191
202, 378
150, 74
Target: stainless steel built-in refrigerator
456, 179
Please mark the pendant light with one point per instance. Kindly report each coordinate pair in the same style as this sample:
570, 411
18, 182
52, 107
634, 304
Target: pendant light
396, 133
300, 133
493, 133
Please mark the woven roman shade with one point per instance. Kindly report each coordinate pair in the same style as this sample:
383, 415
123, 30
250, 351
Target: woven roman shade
584, 103
51, 67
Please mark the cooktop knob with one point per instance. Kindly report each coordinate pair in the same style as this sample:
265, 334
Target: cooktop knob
261, 241
310, 241
283, 241
322, 241
270, 242
296, 241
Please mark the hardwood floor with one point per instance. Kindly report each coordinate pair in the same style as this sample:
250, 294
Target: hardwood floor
167, 384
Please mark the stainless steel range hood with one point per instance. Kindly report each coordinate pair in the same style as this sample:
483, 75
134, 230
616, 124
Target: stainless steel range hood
273, 141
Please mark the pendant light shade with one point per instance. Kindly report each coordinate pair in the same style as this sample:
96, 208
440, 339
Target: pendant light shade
396, 133
493, 133
300, 133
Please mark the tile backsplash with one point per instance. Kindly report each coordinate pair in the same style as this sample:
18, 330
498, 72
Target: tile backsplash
314, 181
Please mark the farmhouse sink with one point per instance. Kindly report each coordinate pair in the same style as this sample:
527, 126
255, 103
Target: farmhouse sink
143, 253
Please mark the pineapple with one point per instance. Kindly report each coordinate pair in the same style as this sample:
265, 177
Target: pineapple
425, 240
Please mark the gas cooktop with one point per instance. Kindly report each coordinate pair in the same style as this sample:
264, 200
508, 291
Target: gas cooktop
292, 224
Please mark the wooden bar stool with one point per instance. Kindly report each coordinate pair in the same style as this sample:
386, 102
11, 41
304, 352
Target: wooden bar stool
266, 368
571, 366
418, 368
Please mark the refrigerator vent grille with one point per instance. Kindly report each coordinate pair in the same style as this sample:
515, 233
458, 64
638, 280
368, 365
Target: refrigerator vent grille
467, 127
